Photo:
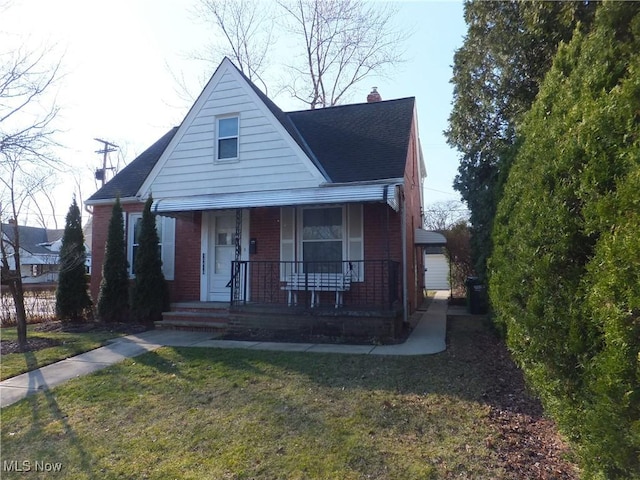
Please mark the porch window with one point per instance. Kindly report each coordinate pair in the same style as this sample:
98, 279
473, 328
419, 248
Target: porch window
165, 227
227, 138
322, 239
331, 235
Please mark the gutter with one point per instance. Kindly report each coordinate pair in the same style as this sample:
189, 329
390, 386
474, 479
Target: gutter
111, 201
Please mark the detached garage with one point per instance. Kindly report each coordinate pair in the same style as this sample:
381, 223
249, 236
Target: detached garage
436, 274
436, 271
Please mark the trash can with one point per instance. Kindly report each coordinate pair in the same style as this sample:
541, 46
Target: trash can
476, 296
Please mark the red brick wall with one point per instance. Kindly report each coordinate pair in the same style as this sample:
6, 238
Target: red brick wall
415, 259
186, 286
265, 228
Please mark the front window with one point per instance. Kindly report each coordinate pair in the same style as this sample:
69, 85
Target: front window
227, 148
322, 239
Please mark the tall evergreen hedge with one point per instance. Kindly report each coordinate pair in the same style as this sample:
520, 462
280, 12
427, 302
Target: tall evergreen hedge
113, 299
565, 272
72, 296
150, 293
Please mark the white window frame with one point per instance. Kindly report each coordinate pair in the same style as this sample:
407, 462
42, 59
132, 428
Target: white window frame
166, 244
228, 137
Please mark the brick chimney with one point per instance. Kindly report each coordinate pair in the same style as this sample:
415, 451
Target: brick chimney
374, 96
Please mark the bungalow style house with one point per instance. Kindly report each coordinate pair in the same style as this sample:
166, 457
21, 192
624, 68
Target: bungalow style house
301, 220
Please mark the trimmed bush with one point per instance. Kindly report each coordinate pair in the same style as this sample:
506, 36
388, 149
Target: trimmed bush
113, 299
565, 273
150, 293
72, 296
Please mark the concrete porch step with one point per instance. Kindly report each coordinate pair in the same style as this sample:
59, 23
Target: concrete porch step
206, 326
195, 316
214, 307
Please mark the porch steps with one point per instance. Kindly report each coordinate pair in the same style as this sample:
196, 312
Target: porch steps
205, 316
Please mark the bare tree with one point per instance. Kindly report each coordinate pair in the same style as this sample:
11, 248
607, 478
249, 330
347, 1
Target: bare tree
333, 44
343, 42
26, 138
442, 216
451, 218
244, 30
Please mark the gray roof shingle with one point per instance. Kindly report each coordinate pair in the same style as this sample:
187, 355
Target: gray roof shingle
359, 142
32, 239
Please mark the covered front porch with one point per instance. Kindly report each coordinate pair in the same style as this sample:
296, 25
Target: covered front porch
356, 300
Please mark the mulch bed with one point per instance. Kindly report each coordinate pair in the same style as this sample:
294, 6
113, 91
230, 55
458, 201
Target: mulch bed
38, 343
526, 441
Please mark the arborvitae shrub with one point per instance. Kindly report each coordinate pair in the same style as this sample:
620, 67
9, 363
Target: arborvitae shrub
565, 272
113, 299
150, 293
73, 303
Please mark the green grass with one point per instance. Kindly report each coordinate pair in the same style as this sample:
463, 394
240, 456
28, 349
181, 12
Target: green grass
237, 414
13, 364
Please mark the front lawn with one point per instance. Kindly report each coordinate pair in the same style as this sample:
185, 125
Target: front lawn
63, 345
235, 414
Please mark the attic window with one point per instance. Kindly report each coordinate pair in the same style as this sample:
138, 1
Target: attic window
227, 144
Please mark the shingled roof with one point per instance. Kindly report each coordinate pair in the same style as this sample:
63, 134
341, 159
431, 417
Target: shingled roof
32, 239
347, 143
129, 180
359, 142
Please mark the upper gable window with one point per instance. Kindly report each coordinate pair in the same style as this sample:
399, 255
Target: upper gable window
227, 142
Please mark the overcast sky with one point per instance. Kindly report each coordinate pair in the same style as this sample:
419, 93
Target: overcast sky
120, 58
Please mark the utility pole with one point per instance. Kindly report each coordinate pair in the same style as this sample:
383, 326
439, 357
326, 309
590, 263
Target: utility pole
101, 173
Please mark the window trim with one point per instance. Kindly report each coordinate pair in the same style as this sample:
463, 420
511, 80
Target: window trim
219, 138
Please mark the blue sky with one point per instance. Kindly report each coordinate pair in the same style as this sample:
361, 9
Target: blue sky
118, 84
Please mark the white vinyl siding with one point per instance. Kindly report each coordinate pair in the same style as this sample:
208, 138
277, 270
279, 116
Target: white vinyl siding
270, 159
166, 234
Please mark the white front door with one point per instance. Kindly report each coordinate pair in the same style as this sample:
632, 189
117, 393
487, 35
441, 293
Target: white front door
219, 250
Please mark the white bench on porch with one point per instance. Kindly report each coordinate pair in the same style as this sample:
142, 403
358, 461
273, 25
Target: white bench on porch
317, 282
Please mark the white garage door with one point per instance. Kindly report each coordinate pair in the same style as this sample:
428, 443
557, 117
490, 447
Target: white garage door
436, 275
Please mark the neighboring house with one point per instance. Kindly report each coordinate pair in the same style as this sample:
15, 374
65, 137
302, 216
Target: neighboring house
38, 252
303, 220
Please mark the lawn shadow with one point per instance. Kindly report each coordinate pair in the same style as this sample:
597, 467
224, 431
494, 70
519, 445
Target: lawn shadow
37, 381
476, 366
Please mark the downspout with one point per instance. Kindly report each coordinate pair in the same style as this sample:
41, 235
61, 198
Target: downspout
405, 287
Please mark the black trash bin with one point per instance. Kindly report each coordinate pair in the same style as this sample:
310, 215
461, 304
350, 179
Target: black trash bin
476, 296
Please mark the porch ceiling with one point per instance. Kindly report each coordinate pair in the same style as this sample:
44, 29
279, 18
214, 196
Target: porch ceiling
379, 192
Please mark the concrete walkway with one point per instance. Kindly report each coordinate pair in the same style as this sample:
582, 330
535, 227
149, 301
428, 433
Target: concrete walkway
428, 337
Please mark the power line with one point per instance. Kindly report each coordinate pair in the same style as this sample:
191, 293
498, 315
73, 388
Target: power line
101, 174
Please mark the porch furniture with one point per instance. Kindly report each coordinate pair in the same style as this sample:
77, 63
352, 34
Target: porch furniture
317, 282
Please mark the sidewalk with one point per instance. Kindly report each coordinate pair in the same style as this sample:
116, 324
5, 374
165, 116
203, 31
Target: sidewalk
428, 337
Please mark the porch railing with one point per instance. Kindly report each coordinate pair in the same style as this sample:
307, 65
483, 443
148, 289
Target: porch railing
369, 284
